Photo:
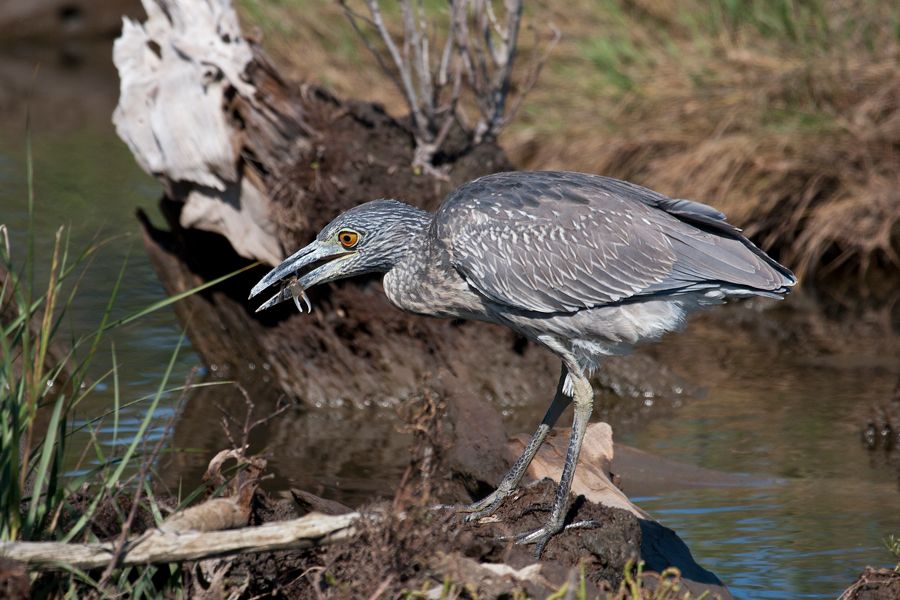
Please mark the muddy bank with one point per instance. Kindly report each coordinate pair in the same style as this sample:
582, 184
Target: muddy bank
415, 542
456, 450
399, 548
874, 584
427, 549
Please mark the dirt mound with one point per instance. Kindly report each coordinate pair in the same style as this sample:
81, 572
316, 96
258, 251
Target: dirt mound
420, 549
874, 584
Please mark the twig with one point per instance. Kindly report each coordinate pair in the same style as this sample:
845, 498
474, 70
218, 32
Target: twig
405, 76
248, 426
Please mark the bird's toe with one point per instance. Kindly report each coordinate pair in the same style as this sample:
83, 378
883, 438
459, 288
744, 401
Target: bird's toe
484, 507
538, 537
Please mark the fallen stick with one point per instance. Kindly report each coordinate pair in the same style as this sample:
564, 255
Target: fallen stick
166, 547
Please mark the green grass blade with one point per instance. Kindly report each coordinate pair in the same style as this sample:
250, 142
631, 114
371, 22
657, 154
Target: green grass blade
112, 480
47, 453
173, 299
116, 398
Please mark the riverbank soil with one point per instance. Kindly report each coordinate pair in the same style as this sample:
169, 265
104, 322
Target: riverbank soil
874, 584
425, 548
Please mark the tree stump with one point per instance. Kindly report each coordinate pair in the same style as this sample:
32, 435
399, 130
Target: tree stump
253, 166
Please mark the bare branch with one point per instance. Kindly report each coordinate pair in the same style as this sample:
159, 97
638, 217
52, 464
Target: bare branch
352, 17
429, 91
492, 122
405, 75
477, 54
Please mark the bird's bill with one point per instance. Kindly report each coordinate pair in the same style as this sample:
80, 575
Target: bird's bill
286, 274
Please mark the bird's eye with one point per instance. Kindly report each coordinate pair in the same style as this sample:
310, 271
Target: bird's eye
348, 238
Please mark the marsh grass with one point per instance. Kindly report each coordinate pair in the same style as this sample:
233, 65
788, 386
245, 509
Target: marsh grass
45, 375
783, 113
892, 543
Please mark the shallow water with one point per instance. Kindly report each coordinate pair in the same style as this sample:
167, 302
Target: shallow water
824, 518
86, 180
790, 416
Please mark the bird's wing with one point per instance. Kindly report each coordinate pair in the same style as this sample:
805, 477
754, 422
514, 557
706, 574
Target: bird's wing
561, 242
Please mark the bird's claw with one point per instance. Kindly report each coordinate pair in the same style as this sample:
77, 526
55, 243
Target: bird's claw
540, 537
475, 515
486, 506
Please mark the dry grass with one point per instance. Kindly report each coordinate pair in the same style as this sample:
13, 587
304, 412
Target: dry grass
785, 114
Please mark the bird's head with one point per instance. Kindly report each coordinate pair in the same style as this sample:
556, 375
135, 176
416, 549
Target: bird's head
369, 238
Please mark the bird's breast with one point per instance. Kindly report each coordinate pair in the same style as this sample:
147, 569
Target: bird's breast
433, 292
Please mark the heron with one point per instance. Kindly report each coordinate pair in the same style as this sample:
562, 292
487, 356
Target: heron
584, 265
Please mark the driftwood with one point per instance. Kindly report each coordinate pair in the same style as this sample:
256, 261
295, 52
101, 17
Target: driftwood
593, 479
166, 547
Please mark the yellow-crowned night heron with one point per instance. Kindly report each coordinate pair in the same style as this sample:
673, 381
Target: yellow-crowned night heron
586, 266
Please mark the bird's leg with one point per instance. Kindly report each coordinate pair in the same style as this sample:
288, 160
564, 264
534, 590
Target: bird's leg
584, 400
490, 503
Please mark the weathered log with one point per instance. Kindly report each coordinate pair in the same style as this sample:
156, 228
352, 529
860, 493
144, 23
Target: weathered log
592, 479
162, 547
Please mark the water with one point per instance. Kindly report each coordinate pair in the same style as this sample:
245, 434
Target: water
792, 416
86, 180
822, 521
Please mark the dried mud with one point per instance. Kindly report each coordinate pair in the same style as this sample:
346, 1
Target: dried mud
425, 547
874, 584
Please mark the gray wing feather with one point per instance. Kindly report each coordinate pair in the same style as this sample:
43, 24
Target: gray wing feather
561, 242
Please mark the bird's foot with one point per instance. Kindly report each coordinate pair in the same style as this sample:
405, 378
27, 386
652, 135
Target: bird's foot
540, 537
486, 506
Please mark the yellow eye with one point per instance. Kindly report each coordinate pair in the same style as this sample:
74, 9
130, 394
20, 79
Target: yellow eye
348, 238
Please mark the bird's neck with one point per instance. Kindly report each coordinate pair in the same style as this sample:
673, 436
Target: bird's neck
423, 280
411, 263
408, 236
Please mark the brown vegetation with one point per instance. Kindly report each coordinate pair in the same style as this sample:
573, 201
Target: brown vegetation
785, 115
